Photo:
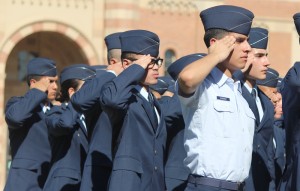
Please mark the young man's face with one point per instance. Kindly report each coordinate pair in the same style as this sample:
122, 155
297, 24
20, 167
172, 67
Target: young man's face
52, 88
238, 57
151, 74
259, 65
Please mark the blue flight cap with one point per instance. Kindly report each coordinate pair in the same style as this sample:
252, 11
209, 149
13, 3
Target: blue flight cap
176, 67
258, 38
161, 86
41, 67
297, 22
271, 79
112, 41
168, 80
77, 71
140, 42
171, 83
100, 69
172, 89
227, 17
279, 82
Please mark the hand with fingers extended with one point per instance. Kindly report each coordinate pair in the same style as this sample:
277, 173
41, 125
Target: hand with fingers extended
249, 62
41, 84
144, 61
222, 48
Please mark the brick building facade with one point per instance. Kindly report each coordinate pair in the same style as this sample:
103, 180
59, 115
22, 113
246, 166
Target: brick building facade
72, 31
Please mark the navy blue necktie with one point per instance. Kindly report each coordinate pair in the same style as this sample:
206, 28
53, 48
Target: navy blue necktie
255, 109
151, 101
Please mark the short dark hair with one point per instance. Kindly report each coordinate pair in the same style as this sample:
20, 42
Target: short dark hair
64, 89
128, 55
34, 77
113, 53
214, 33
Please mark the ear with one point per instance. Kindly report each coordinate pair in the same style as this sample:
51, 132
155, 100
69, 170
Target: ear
32, 81
126, 63
71, 91
113, 61
212, 41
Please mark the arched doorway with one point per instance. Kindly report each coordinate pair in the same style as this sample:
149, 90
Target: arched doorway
50, 44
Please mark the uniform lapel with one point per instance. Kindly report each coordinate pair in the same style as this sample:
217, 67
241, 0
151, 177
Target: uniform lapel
246, 94
147, 107
264, 101
81, 125
157, 106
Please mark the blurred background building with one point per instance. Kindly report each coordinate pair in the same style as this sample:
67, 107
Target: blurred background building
72, 31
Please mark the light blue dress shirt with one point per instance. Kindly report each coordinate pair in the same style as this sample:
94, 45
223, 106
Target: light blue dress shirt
219, 128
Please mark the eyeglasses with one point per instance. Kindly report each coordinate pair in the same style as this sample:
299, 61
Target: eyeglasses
158, 61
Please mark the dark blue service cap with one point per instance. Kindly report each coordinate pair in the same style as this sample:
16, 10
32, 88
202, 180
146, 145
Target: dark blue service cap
279, 82
162, 84
112, 41
100, 69
176, 67
41, 67
297, 23
77, 71
271, 79
227, 17
140, 42
258, 38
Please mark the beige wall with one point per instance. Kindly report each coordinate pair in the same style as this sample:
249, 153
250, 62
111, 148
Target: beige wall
177, 23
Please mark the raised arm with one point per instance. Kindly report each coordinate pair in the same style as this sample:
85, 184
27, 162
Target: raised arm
20, 109
61, 120
117, 93
194, 74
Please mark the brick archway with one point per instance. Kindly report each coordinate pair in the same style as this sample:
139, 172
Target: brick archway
51, 26
5, 51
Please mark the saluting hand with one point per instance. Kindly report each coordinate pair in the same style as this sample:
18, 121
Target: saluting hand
249, 62
143, 61
222, 48
42, 84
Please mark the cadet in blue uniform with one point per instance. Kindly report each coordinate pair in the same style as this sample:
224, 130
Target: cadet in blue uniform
290, 105
219, 124
139, 144
176, 173
262, 171
28, 133
269, 87
98, 163
68, 132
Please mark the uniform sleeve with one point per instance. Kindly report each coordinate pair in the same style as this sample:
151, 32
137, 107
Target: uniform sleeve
20, 109
117, 93
88, 95
194, 99
61, 120
292, 78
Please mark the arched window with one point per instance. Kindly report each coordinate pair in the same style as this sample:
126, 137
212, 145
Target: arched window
170, 57
24, 58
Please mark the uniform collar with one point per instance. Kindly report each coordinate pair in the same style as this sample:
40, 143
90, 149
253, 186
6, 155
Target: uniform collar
142, 91
249, 88
219, 77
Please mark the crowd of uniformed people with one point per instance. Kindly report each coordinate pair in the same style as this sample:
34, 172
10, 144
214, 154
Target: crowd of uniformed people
222, 120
